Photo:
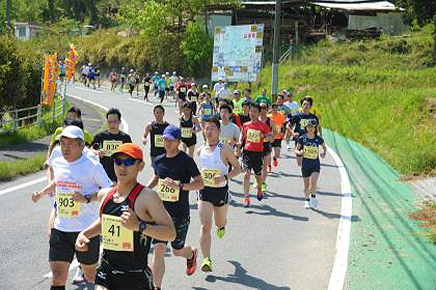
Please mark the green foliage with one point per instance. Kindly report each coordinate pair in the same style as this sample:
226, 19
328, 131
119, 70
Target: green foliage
11, 169
197, 48
20, 71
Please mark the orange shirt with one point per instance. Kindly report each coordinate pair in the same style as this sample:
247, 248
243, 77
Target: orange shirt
277, 123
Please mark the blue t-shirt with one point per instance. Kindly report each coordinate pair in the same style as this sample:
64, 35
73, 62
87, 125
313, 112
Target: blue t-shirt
310, 149
162, 84
156, 80
300, 121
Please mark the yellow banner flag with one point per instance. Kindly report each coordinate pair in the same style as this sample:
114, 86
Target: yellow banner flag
50, 77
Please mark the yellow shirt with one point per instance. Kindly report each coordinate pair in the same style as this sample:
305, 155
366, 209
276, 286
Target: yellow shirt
55, 137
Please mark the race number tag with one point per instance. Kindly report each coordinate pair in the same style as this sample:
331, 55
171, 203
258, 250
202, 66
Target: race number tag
226, 140
253, 136
183, 90
67, 207
158, 141
186, 132
147, 84
277, 128
208, 112
110, 146
208, 176
115, 237
310, 152
167, 193
193, 99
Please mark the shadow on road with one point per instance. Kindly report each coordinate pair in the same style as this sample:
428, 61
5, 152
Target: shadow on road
241, 277
269, 211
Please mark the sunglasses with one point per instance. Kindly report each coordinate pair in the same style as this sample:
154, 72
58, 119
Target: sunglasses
125, 162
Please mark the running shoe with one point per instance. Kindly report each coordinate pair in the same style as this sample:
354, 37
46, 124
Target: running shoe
276, 162
191, 264
246, 202
268, 169
220, 233
306, 204
289, 147
263, 187
78, 277
259, 194
313, 202
207, 265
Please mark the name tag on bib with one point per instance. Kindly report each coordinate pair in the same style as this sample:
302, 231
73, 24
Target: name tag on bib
110, 146
186, 132
115, 237
183, 90
158, 141
253, 136
208, 176
310, 152
147, 84
67, 207
208, 112
167, 193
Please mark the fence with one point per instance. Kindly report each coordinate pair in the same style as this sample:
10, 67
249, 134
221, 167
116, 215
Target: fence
13, 120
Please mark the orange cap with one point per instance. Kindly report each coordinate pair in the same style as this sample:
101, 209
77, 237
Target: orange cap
130, 149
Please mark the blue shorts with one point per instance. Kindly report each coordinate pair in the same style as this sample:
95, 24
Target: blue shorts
182, 225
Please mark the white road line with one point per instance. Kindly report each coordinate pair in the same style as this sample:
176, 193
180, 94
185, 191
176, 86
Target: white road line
11, 189
339, 270
89, 90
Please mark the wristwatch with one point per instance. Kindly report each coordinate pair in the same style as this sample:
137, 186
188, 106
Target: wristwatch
181, 186
142, 226
88, 198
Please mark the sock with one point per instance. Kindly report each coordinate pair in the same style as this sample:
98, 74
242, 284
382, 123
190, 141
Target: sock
222, 228
307, 199
57, 287
313, 196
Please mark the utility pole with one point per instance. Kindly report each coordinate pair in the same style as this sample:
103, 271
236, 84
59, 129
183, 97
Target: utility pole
275, 64
8, 14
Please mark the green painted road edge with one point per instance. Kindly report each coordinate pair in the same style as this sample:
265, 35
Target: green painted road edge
387, 249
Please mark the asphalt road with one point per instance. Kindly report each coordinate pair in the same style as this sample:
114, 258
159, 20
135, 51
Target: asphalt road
274, 244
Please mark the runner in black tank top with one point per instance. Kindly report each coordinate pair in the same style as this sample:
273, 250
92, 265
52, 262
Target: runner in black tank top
155, 129
189, 126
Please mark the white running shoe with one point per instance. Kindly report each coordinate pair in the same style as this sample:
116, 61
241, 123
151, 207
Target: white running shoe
306, 204
78, 277
313, 202
289, 147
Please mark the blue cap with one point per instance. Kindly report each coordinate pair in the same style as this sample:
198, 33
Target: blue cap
172, 132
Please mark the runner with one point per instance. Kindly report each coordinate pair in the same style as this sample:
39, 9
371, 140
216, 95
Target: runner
215, 160
173, 173
181, 94
162, 86
84, 74
229, 132
106, 142
193, 96
146, 82
218, 86
263, 99
313, 110
293, 109
190, 126
97, 75
173, 82
130, 215
237, 102
300, 121
206, 109
74, 174
91, 76
278, 119
234, 118
113, 78
123, 78
308, 148
155, 80
168, 82
253, 135
247, 97
131, 80
266, 145
156, 129
245, 117
62, 73
137, 82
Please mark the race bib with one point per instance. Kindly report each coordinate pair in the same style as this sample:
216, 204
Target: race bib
207, 112
186, 132
111, 146
67, 207
253, 136
303, 123
226, 140
158, 141
310, 152
183, 90
193, 99
114, 236
167, 193
208, 176
277, 128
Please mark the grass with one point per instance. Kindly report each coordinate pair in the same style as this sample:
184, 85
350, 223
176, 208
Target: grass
11, 169
381, 99
426, 214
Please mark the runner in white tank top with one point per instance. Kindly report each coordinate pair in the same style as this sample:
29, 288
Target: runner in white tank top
213, 199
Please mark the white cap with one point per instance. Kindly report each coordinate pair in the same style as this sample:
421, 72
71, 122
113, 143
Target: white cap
131, 70
72, 132
89, 63
174, 73
221, 79
163, 75
205, 87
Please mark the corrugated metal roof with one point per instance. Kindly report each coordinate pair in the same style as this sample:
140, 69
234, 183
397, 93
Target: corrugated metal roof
362, 6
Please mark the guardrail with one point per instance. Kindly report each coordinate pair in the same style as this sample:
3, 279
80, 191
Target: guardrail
13, 120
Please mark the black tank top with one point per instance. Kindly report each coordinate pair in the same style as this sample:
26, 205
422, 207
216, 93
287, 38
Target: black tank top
156, 129
126, 261
268, 123
187, 124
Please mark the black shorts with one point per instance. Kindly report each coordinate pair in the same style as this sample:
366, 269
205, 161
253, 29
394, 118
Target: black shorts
182, 96
217, 196
267, 148
161, 94
307, 170
167, 89
182, 226
62, 75
277, 143
252, 161
190, 141
111, 278
62, 248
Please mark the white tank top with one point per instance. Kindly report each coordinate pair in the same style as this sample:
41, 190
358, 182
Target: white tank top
212, 164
